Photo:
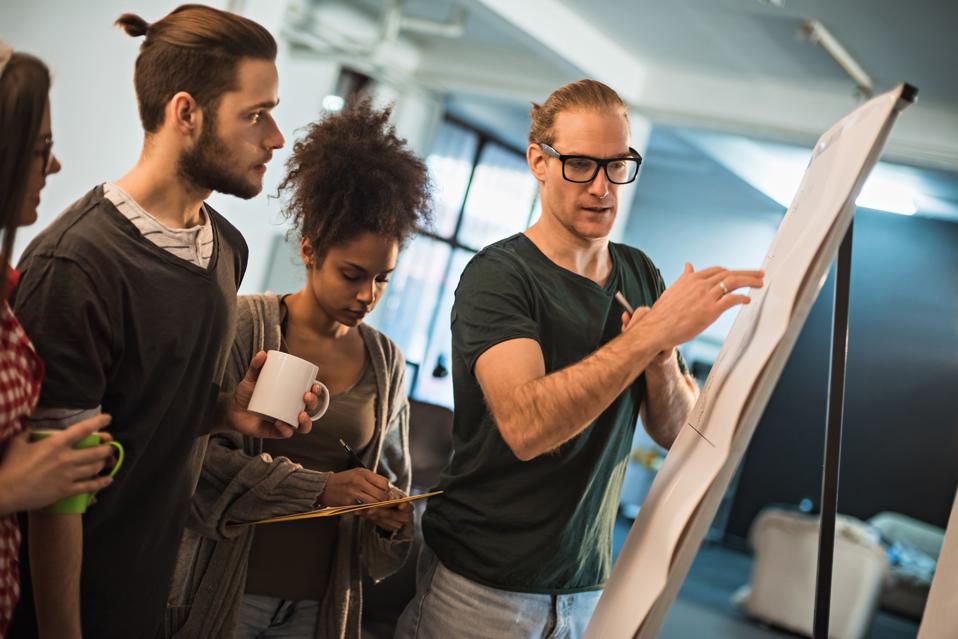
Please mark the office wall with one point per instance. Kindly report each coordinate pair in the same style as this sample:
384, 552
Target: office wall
96, 129
901, 436
900, 441
689, 208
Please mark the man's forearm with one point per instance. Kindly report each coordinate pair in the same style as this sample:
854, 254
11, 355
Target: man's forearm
56, 555
670, 395
548, 411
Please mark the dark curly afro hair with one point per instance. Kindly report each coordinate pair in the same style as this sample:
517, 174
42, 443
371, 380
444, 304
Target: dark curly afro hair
349, 174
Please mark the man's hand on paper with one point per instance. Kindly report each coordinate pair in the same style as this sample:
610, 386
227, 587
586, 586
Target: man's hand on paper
694, 302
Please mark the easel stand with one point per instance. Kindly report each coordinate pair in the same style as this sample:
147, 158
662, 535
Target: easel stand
833, 438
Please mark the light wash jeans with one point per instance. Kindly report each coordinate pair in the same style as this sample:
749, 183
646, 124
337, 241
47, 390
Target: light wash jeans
450, 606
263, 617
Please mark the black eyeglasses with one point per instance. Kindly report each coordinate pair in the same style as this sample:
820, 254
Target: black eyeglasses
46, 152
582, 168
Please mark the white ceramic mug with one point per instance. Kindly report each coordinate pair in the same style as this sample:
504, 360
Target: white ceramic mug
279, 389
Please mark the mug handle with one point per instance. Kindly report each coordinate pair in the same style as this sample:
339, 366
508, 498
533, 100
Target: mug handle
119, 457
324, 401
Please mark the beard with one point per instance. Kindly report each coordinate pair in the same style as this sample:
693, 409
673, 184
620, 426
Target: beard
209, 166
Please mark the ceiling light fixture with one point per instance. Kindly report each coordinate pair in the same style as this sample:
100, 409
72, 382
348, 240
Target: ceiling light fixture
815, 31
333, 103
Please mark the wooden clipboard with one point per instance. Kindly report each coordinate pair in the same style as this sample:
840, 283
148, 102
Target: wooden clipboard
335, 511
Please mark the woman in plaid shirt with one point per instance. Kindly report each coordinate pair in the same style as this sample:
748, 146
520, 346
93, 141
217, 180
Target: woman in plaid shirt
32, 475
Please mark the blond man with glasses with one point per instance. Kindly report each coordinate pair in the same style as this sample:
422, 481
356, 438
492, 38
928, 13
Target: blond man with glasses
550, 376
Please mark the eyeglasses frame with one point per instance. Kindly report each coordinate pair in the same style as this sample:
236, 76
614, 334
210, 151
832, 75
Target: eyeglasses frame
599, 163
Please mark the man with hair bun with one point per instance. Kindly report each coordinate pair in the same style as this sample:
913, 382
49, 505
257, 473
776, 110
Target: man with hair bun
550, 376
130, 298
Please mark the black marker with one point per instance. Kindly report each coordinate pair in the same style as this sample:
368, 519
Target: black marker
357, 462
353, 457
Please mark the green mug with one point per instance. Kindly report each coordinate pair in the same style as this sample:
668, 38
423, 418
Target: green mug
77, 504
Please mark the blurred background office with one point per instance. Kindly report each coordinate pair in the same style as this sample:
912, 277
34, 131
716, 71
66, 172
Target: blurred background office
726, 98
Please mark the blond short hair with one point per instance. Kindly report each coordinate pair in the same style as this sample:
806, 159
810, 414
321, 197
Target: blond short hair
584, 95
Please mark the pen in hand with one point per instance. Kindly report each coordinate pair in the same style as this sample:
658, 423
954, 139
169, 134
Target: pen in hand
357, 462
620, 298
353, 457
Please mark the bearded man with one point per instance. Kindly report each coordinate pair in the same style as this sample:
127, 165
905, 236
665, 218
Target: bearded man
130, 298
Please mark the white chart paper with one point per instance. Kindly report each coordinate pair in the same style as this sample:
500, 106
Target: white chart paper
939, 619
689, 486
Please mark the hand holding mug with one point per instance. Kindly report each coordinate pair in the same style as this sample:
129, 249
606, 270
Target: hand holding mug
278, 391
58, 465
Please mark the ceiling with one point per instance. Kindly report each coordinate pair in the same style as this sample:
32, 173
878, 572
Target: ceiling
894, 41
728, 65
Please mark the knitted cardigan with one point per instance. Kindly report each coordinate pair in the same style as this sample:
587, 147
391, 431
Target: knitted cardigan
239, 483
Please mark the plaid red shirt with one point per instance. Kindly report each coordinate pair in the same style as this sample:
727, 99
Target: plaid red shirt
20, 373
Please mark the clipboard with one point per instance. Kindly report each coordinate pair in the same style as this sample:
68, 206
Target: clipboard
335, 511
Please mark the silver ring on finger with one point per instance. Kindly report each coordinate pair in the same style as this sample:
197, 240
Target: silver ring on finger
359, 502
723, 287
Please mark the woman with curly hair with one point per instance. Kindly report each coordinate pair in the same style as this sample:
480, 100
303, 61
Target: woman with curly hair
356, 193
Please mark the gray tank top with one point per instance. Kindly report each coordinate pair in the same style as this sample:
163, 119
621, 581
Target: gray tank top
294, 560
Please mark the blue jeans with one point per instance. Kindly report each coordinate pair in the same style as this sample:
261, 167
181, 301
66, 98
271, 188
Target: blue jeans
450, 606
263, 617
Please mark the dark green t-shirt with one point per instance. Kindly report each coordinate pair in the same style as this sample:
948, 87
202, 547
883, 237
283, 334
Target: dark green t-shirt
544, 525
